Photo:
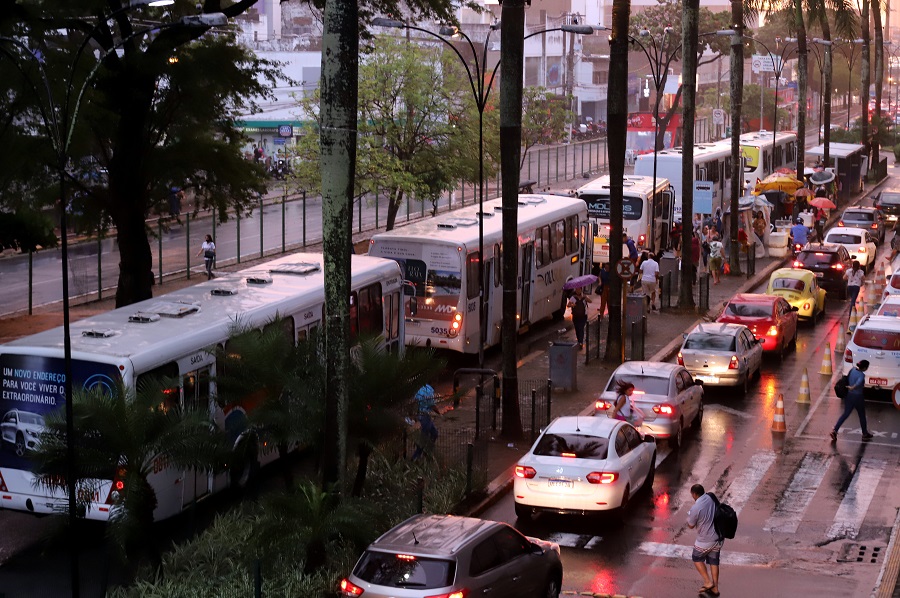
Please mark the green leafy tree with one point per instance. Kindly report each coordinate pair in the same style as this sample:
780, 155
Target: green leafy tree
152, 122
544, 118
121, 436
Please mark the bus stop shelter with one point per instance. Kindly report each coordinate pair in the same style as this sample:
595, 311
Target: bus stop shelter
849, 163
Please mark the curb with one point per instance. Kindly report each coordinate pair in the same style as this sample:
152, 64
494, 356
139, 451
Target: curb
887, 577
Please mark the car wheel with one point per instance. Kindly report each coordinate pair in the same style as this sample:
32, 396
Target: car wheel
676, 438
20, 445
626, 496
651, 475
782, 350
793, 345
745, 386
524, 512
698, 419
552, 589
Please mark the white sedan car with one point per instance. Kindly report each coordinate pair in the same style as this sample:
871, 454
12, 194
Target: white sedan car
857, 241
668, 395
21, 430
582, 465
722, 355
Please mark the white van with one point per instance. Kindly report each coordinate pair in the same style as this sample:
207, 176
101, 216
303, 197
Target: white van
876, 339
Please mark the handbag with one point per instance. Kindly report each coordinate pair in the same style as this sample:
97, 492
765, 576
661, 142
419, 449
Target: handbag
726, 269
210, 254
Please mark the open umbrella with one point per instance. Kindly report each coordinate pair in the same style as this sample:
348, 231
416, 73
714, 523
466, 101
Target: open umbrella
580, 281
803, 193
784, 170
779, 182
822, 202
821, 177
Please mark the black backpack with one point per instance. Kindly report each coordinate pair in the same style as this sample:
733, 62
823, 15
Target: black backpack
842, 387
725, 520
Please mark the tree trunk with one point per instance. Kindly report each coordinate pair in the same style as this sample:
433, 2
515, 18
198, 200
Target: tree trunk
617, 116
866, 66
396, 199
511, 63
826, 100
363, 451
802, 66
879, 80
338, 109
736, 92
690, 18
135, 258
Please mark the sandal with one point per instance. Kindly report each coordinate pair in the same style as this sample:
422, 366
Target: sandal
710, 592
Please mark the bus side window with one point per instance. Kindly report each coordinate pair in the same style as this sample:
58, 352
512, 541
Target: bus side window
472, 286
395, 316
370, 311
285, 323
571, 235
168, 372
542, 246
558, 240
354, 318
498, 259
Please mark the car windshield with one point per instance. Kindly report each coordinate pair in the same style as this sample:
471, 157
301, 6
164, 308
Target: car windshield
858, 216
870, 338
580, 446
791, 284
31, 418
843, 239
748, 310
816, 258
404, 571
890, 198
643, 385
712, 342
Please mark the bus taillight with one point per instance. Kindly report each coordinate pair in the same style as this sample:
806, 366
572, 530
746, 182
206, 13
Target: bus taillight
642, 239
118, 485
456, 324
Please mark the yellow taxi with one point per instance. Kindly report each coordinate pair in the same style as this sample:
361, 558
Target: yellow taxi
799, 288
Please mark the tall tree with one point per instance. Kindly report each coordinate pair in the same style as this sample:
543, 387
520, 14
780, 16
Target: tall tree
879, 76
799, 23
544, 118
866, 79
617, 102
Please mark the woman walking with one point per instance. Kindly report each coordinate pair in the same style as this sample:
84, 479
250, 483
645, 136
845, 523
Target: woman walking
856, 383
208, 249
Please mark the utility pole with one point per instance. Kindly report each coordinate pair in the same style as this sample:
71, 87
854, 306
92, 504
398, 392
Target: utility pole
689, 41
737, 164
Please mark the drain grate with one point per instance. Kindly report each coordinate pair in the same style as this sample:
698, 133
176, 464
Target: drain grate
861, 553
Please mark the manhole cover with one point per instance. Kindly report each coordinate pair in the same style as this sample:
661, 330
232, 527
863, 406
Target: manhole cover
861, 553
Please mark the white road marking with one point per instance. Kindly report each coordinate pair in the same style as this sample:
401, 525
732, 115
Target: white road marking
730, 410
796, 499
748, 479
852, 512
677, 551
595, 541
574, 540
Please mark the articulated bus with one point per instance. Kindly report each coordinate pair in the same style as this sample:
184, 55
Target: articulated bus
756, 153
712, 162
646, 212
178, 335
439, 258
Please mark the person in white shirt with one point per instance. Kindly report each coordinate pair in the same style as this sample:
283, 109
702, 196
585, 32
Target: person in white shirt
650, 278
854, 277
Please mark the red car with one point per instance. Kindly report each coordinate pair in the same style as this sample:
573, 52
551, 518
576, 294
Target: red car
768, 317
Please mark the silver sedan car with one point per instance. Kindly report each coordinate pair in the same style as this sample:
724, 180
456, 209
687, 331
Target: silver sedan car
722, 355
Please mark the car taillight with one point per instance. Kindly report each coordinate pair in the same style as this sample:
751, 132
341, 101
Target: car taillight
840, 223
523, 471
456, 594
348, 588
568, 455
861, 250
773, 331
798, 264
875, 225
680, 358
602, 405
733, 364
663, 409
848, 356
806, 305
602, 477
837, 266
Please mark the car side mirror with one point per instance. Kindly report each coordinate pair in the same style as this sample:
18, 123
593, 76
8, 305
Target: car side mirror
649, 438
684, 335
795, 308
698, 383
760, 341
537, 548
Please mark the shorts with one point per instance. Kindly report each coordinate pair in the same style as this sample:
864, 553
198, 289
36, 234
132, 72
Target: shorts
650, 287
715, 263
710, 556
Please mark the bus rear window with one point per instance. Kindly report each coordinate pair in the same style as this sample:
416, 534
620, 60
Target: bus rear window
884, 340
598, 207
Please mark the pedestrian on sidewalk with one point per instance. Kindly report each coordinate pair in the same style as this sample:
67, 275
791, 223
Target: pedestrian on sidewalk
603, 288
856, 383
695, 255
208, 249
716, 257
707, 545
854, 277
650, 278
631, 248
428, 432
578, 304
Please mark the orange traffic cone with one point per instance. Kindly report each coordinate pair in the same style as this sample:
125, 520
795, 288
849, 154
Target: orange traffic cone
778, 424
854, 320
839, 345
826, 361
803, 397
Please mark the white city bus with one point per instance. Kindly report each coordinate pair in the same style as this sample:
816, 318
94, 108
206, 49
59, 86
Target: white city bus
178, 335
756, 153
646, 212
440, 258
712, 162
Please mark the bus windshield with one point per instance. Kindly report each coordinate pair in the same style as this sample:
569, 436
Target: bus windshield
598, 207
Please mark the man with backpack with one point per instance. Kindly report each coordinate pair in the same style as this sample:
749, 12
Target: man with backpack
708, 544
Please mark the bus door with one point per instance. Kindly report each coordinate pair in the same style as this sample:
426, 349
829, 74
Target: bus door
195, 399
586, 235
487, 303
525, 274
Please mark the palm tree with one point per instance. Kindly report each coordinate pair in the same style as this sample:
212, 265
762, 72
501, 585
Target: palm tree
121, 436
279, 386
689, 40
865, 64
879, 75
381, 384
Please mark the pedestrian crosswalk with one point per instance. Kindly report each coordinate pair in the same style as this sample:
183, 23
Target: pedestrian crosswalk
776, 503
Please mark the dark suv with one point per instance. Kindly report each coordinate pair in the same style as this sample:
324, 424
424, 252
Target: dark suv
829, 262
888, 202
444, 555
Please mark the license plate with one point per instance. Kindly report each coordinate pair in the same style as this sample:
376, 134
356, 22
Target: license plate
709, 379
560, 483
878, 381
820, 275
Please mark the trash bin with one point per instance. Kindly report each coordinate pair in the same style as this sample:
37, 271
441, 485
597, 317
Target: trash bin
563, 355
637, 305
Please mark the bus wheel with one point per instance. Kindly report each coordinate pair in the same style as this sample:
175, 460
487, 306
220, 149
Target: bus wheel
245, 463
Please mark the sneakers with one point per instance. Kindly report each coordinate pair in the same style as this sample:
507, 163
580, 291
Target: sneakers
867, 436
833, 436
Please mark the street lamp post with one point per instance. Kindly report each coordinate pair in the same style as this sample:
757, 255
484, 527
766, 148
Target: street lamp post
480, 93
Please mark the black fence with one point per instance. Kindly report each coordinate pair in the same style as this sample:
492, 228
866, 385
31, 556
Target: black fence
535, 401
595, 334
